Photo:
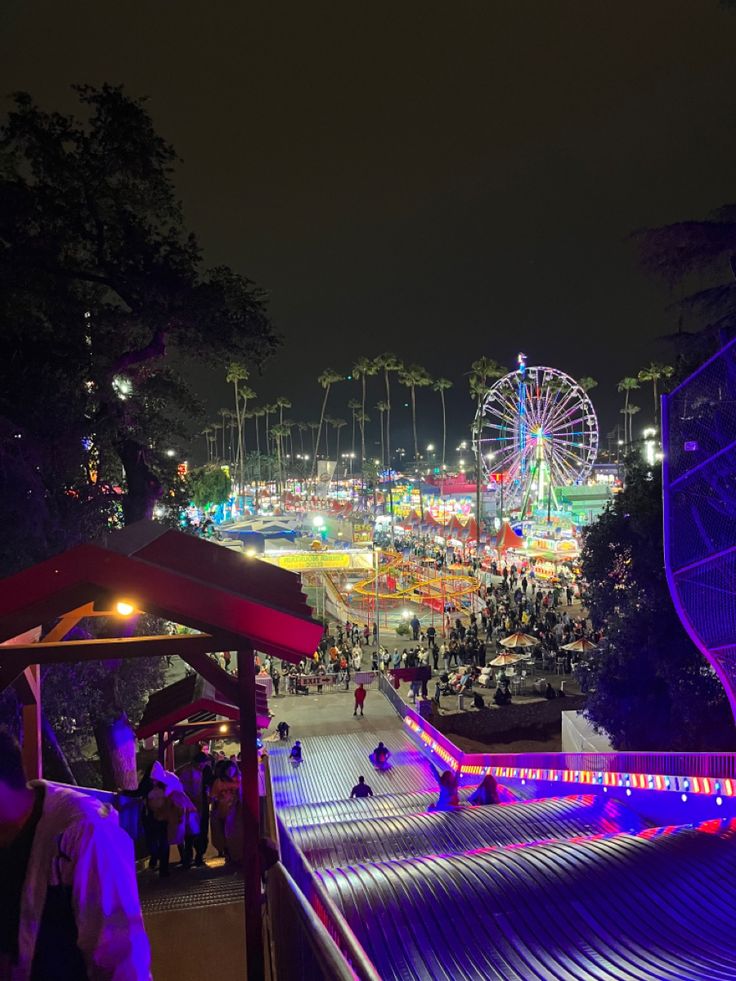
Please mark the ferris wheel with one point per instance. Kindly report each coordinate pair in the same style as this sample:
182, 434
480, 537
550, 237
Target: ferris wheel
538, 431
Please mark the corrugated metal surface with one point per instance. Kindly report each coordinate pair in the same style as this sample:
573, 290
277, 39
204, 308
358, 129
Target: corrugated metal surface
382, 838
332, 764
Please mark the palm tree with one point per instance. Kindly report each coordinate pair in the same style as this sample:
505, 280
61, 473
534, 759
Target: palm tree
355, 407
481, 372
362, 368
631, 411
587, 383
327, 379
382, 406
282, 403
654, 373
224, 414
314, 426
337, 425
627, 385
441, 386
258, 413
415, 376
388, 363
236, 374
246, 394
231, 420
270, 411
278, 432
302, 427
207, 433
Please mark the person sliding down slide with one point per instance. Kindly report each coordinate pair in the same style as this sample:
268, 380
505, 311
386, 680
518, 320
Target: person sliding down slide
380, 757
296, 753
449, 799
486, 792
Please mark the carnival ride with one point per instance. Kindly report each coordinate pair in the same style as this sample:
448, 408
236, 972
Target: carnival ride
537, 430
406, 580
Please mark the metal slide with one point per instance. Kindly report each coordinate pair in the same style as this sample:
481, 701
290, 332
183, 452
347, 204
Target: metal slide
566, 888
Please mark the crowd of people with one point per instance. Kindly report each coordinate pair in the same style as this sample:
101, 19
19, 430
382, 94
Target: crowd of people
199, 801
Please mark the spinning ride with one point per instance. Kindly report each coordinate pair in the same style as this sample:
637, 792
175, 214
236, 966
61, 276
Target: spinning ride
538, 430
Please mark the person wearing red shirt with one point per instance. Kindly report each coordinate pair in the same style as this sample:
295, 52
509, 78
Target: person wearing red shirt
360, 694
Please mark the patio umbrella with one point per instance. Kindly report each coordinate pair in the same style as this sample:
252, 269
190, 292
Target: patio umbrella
582, 644
519, 639
503, 660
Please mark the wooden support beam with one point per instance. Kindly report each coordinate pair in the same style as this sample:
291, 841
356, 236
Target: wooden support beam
251, 816
12, 670
110, 648
68, 622
212, 672
31, 750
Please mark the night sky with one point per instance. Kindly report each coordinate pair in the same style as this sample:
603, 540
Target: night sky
441, 180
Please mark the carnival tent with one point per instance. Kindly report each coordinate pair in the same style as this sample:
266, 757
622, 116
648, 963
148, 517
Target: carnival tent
507, 538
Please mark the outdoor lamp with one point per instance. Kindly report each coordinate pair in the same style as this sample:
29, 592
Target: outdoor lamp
223, 728
123, 608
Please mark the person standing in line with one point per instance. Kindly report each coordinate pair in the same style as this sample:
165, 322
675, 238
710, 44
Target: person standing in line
360, 694
68, 891
196, 778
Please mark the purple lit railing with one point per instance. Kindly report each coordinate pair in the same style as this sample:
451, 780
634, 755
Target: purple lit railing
310, 885
674, 764
701, 772
326, 947
434, 740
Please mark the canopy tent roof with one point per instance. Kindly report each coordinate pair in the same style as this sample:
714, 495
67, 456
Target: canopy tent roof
233, 602
193, 699
507, 538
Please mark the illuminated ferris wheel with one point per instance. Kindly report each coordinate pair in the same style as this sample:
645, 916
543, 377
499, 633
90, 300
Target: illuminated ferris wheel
538, 431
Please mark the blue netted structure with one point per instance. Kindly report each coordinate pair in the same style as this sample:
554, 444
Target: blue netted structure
699, 479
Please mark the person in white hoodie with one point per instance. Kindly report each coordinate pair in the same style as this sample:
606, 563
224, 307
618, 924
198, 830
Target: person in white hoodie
68, 891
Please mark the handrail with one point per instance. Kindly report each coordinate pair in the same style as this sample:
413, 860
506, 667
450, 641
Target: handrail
326, 909
435, 740
334, 944
270, 823
282, 891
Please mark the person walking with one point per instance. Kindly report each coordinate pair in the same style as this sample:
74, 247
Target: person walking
360, 694
415, 627
68, 892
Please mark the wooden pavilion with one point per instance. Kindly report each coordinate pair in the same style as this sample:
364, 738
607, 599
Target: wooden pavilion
227, 601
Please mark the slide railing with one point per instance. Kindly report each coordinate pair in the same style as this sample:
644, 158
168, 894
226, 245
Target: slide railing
308, 937
708, 772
